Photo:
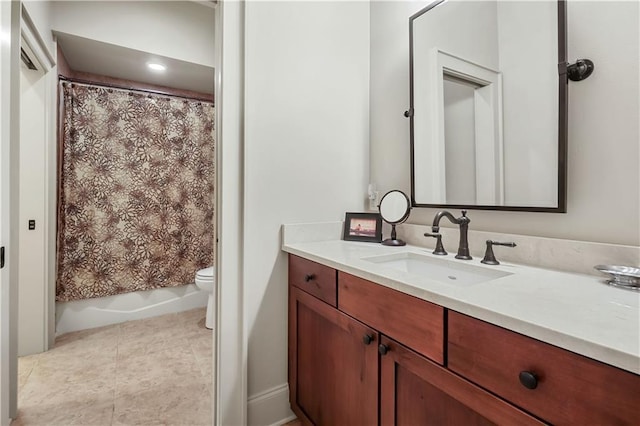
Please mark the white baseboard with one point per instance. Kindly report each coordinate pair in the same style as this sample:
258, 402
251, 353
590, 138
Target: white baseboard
270, 407
283, 421
101, 311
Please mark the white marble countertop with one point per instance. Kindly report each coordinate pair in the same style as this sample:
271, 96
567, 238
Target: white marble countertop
573, 311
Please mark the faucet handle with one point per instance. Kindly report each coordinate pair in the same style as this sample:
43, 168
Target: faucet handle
439, 250
489, 257
496, 243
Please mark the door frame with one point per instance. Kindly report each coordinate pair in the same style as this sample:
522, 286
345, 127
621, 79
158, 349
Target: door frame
230, 368
10, 21
230, 344
17, 27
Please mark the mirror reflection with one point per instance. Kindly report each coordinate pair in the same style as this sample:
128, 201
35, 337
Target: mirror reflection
486, 105
394, 207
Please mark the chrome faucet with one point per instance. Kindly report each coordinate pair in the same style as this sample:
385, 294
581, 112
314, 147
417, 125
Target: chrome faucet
463, 222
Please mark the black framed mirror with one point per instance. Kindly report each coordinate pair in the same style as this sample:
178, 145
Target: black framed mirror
488, 105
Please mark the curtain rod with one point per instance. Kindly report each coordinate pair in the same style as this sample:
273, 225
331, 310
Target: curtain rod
123, 87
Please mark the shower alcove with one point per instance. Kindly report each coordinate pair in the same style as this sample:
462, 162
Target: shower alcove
136, 208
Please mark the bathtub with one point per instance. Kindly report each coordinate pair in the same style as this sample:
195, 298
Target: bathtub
101, 311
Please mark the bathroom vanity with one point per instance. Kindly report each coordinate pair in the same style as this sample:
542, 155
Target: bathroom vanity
372, 341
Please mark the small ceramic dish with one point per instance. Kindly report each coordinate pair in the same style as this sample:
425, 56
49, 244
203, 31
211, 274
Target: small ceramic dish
621, 276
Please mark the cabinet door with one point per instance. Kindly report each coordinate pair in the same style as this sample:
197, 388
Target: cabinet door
559, 386
333, 364
417, 391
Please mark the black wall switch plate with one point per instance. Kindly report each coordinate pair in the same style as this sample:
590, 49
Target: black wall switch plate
32, 224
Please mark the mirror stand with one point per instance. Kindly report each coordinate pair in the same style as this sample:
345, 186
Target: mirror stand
393, 241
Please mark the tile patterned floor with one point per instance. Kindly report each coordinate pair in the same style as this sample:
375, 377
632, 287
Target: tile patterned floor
156, 371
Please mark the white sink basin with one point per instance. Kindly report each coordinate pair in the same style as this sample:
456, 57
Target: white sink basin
437, 269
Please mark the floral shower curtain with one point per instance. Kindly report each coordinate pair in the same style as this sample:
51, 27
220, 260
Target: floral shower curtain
136, 191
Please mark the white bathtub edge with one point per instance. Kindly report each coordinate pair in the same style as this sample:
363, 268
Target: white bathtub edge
91, 313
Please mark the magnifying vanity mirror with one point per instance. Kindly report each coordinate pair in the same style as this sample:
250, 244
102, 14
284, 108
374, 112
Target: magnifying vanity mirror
488, 109
394, 209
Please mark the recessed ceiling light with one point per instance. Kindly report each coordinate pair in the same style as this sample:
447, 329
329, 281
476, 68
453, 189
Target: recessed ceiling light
156, 67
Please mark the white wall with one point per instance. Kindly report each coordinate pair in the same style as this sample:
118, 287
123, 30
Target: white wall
306, 157
177, 29
604, 180
32, 321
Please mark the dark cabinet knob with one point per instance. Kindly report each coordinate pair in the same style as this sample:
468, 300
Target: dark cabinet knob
383, 349
528, 379
367, 339
309, 277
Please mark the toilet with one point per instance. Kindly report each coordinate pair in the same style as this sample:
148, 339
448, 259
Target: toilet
205, 279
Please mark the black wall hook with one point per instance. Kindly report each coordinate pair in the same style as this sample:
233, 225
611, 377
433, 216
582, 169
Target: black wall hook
580, 70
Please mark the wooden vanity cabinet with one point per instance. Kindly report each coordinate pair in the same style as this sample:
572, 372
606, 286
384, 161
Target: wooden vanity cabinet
417, 391
333, 364
338, 375
364, 354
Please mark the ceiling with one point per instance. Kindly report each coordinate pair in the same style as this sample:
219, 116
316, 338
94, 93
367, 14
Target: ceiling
96, 57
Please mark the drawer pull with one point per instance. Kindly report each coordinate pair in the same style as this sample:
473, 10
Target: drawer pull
309, 277
383, 349
367, 339
528, 379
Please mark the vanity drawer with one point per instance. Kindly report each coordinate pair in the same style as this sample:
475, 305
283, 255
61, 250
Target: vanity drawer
314, 278
570, 388
413, 322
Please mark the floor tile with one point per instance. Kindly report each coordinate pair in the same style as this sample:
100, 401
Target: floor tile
73, 368
157, 368
151, 371
182, 403
84, 340
139, 347
25, 367
202, 345
58, 404
193, 315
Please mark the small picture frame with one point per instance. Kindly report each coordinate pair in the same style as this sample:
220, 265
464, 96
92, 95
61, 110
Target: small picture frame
362, 227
